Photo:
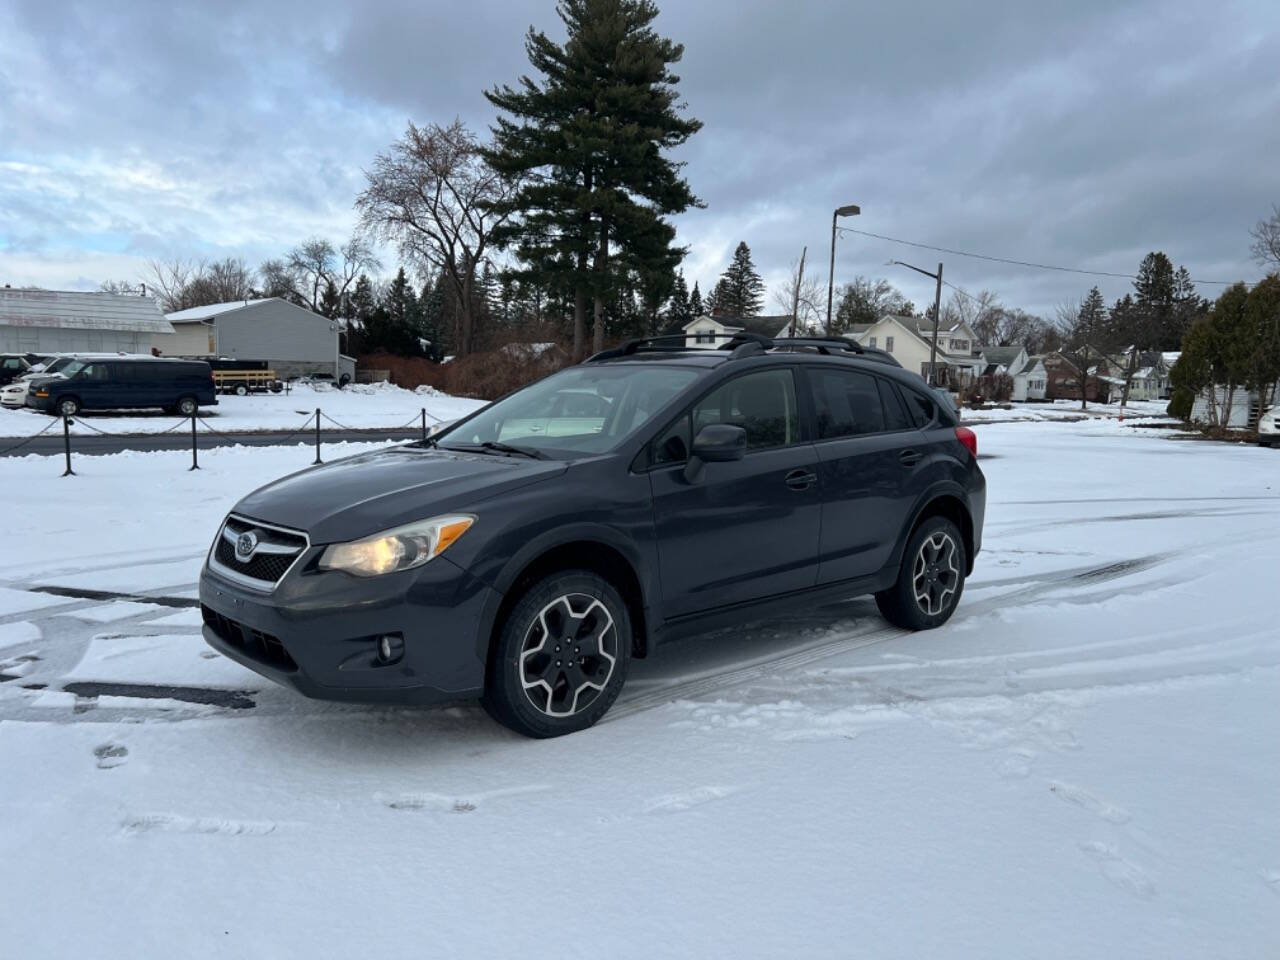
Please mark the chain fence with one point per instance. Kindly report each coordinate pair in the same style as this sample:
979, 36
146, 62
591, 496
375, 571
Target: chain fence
310, 426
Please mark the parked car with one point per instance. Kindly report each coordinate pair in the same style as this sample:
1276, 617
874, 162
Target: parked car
1269, 427
527, 566
180, 386
12, 366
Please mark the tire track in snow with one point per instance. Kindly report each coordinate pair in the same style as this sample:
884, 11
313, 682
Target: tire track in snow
701, 685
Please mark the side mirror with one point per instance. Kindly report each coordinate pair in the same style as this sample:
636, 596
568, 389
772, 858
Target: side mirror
715, 443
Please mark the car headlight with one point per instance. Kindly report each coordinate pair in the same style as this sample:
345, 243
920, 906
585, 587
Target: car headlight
402, 548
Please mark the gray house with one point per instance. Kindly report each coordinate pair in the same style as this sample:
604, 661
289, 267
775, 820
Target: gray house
291, 339
60, 321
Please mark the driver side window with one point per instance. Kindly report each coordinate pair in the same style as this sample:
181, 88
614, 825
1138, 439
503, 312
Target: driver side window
763, 404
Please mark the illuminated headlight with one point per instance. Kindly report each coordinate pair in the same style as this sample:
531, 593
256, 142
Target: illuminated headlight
400, 549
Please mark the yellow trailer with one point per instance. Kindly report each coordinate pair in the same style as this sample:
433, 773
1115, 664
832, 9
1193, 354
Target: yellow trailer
243, 382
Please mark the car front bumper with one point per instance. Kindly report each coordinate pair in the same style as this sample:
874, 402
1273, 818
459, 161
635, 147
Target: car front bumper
318, 632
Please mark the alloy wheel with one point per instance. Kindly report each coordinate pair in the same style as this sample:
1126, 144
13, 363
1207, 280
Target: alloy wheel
936, 575
568, 655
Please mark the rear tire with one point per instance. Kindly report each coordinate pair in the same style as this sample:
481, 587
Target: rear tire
930, 580
561, 656
241, 390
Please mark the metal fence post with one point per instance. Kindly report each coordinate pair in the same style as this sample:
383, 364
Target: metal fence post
424, 424
66, 443
194, 465
318, 460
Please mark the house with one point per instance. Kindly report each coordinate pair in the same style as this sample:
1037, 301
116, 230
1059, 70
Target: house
62, 321
710, 332
1031, 380
1004, 360
1246, 406
909, 339
291, 339
1063, 380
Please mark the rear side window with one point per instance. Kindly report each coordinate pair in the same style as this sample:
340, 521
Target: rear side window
895, 412
920, 408
846, 403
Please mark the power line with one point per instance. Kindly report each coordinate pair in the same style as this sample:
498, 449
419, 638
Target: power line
1022, 263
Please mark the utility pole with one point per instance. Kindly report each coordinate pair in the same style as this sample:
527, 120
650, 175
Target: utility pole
937, 322
937, 317
795, 294
851, 210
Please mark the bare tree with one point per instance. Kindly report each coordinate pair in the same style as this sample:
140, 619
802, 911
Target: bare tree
1266, 240
1080, 324
123, 288
181, 284
277, 279
866, 301
800, 298
436, 198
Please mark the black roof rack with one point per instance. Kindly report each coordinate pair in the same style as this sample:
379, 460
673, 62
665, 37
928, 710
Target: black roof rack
742, 344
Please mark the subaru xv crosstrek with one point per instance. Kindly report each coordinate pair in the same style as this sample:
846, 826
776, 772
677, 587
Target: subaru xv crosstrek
525, 554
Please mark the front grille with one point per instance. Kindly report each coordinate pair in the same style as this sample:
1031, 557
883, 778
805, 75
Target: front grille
275, 553
256, 645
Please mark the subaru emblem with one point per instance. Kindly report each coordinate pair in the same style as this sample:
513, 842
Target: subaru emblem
246, 543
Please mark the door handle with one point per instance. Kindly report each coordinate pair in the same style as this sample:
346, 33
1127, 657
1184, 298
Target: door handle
909, 458
801, 479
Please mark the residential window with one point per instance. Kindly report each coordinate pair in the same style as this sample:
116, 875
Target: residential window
960, 346
873, 341
847, 403
888, 344
763, 404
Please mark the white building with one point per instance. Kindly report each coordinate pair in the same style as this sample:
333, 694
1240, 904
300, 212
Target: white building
64, 321
710, 332
960, 359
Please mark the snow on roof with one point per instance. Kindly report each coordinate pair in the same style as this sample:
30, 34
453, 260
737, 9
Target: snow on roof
73, 310
211, 310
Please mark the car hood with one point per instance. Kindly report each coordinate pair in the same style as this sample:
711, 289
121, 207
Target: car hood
362, 495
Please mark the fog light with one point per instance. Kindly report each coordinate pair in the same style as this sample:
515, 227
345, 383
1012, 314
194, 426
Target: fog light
389, 648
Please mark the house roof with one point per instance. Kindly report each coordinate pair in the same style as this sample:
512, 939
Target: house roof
769, 325
1001, 355
211, 310
74, 310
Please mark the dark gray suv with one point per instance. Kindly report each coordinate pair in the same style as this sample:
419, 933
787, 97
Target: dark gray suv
525, 554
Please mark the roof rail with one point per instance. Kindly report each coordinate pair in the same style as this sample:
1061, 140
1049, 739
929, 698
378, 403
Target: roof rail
821, 344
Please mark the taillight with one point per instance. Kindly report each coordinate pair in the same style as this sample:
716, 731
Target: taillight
968, 438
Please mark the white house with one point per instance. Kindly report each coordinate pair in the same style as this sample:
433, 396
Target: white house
1031, 380
1003, 360
710, 332
960, 358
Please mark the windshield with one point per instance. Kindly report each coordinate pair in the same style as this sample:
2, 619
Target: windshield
584, 409
74, 367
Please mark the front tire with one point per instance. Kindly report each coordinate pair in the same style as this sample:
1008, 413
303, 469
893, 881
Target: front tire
560, 657
930, 580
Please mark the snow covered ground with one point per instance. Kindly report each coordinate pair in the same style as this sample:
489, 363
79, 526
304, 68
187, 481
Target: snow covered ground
1069, 410
358, 405
1081, 764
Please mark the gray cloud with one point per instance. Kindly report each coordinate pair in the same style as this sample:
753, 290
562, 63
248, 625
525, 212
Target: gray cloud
1080, 133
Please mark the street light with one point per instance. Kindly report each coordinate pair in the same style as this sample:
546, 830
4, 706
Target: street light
850, 210
937, 317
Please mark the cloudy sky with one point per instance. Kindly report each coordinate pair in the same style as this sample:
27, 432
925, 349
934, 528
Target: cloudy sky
1082, 133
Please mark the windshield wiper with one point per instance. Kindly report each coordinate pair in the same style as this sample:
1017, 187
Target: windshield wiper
497, 446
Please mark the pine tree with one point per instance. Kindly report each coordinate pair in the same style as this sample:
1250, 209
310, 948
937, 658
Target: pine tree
743, 290
678, 310
330, 301
696, 306
593, 128
433, 324
363, 301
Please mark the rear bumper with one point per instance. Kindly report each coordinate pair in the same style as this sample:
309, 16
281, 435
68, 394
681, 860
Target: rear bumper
318, 632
